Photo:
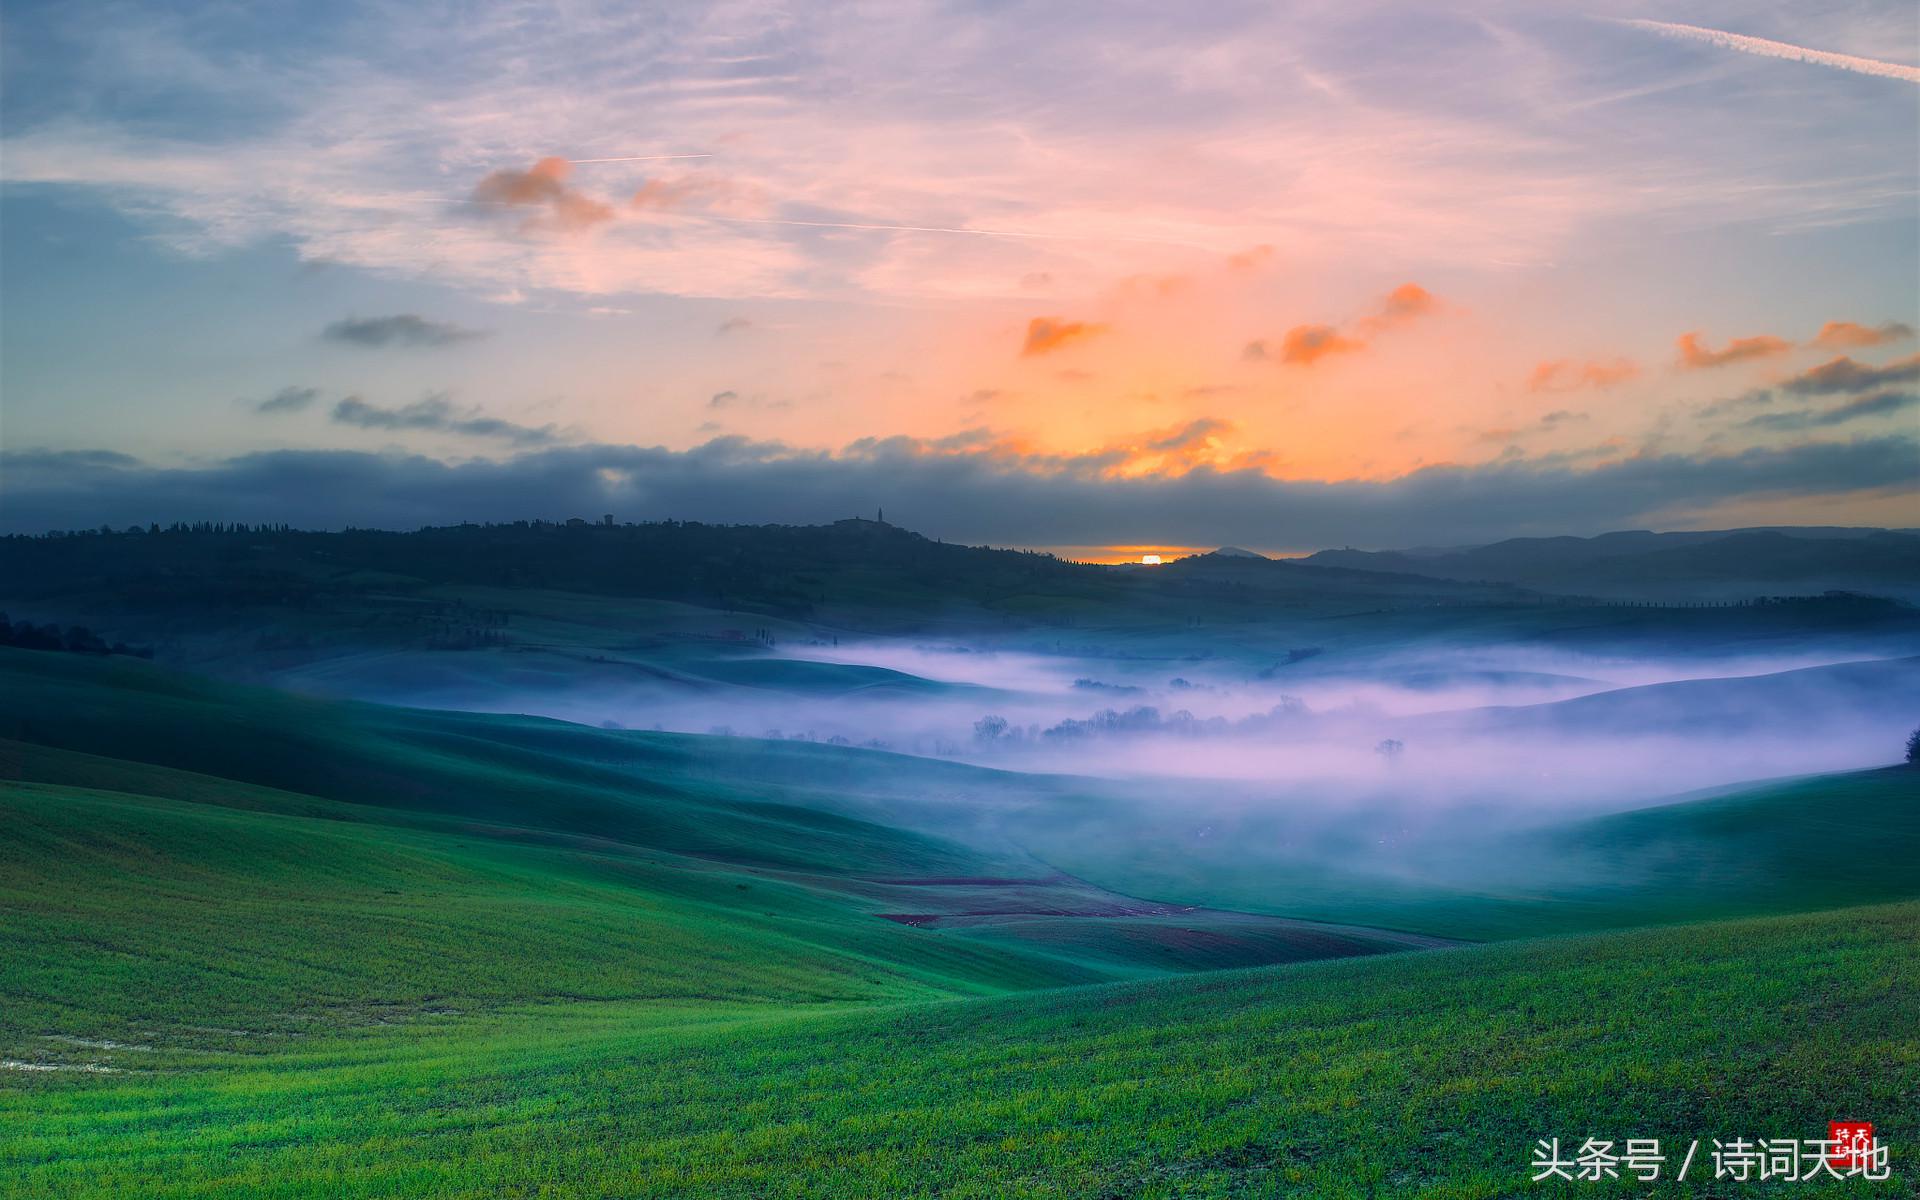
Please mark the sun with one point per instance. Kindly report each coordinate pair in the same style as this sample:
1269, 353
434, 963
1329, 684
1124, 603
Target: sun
1149, 560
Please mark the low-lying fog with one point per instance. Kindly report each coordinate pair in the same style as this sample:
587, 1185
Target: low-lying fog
1484, 727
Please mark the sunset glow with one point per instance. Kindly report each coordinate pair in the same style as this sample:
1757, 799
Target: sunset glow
736, 598
1412, 244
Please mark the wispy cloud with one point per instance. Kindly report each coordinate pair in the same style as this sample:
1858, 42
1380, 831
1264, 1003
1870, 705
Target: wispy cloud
543, 189
402, 329
684, 193
1772, 49
437, 414
1252, 258
370, 157
1844, 374
627, 158
1850, 335
1304, 345
1879, 404
1565, 375
1405, 303
1557, 419
1695, 356
1204, 431
288, 400
1048, 334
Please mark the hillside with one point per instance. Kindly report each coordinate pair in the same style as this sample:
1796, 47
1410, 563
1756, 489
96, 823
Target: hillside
199, 847
1411, 1075
856, 573
1050, 874
1721, 565
1883, 694
252, 942
1773, 847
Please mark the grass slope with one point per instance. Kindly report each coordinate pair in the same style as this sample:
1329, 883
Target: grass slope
257, 858
1410, 1075
1784, 846
127, 913
263, 945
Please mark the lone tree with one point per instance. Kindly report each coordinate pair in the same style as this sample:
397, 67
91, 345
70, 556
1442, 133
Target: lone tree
1913, 746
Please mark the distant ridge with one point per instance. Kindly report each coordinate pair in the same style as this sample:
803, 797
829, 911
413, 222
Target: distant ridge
1719, 565
1235, 552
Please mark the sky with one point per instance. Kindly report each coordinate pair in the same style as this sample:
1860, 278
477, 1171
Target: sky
1092, 277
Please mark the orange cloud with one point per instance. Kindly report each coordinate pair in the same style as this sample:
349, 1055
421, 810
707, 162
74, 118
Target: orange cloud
1408, 302
694, 191
1251, 257
1849, 335
1404, 303
544, 185
1562, 375
1305, 345
1694, 356
1172, 450
1161, 286
1047, 334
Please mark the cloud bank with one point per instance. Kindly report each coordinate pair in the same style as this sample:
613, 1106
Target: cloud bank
957, 489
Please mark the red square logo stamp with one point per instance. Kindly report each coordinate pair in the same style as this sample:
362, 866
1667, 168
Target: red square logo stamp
1852, 1145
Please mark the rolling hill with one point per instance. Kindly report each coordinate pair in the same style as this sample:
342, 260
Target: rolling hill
1734, 564
276, 945
269, 833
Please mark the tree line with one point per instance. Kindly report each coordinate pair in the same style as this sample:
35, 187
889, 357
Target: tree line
74, 639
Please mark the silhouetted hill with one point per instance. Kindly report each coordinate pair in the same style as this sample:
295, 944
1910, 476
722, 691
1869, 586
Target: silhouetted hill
857, 570
1721, 564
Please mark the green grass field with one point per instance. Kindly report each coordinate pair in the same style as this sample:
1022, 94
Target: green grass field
1417, 1075
255, 944
1784, 846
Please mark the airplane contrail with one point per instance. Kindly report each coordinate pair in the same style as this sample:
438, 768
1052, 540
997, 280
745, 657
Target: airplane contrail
1772, 49
638, 158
